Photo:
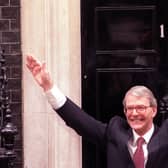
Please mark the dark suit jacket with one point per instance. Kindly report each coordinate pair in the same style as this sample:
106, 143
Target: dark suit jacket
114, 137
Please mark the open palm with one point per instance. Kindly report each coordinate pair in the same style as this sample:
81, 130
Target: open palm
39, 72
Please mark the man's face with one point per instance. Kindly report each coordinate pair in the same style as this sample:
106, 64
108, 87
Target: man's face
139, 113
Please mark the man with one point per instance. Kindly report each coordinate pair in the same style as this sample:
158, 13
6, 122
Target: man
132, 143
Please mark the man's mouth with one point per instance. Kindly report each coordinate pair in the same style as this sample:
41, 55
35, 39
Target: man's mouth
136, 120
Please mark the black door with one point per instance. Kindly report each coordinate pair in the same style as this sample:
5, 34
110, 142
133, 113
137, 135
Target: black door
124, 43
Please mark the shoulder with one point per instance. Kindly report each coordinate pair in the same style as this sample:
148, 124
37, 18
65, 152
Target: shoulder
118, 125
162, 130
117, 121
164, 124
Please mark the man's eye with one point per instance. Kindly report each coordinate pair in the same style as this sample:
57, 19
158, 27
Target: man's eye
140, 108
130, 108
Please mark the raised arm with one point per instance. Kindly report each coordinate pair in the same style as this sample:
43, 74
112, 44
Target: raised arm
74, 117
39, 72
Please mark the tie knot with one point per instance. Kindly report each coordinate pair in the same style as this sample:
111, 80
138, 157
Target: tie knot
140, 141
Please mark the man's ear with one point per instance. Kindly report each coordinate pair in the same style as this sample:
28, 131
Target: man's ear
124, 110
154, 111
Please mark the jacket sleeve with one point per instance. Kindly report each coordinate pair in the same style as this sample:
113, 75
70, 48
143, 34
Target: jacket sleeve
85, 125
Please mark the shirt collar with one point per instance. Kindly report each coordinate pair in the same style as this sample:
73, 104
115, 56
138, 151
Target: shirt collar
147, 136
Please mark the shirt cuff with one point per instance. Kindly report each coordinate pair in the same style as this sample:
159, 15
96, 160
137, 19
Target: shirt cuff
55, 97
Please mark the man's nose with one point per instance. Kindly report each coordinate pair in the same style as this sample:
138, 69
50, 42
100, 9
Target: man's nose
134, 111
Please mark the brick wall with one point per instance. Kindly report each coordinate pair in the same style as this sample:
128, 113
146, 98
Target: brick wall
10, 42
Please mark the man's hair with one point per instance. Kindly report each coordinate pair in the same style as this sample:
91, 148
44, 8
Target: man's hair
141, 91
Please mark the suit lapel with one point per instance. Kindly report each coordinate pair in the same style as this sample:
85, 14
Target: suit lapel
153, 146
124, 146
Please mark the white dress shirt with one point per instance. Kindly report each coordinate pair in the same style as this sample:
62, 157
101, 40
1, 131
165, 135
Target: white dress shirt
132, 143
55, 97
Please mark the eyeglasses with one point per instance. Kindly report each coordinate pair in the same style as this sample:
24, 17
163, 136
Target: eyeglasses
138, 108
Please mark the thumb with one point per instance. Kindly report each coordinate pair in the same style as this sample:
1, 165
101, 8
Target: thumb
43, 67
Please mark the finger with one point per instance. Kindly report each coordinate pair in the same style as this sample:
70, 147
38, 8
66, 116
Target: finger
29, 59
34, 64
36, 70
29, 62
31, 65
28, 66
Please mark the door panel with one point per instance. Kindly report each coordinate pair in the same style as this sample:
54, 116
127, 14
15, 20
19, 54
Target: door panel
125, 28
121, 47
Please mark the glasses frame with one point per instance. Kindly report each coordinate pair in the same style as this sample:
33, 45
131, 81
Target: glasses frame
138, 108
